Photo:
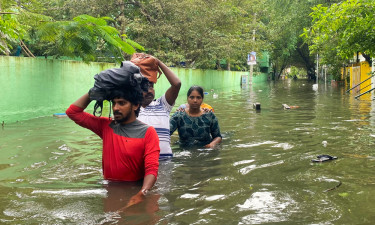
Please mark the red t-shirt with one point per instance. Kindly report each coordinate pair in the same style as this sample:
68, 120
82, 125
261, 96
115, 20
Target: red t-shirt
130, 152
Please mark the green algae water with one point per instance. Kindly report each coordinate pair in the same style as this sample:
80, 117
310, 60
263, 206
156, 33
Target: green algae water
50, 168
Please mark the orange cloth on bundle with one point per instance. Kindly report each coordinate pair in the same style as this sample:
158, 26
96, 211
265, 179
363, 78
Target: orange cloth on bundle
149, 66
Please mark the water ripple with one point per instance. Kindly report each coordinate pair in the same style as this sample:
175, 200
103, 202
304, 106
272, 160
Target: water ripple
64, 147
215, 197
243, 162
255, 144
284, 146
101, 192
189, 196
250, 168
269, 207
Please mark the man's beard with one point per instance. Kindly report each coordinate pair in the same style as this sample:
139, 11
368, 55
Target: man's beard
123, 119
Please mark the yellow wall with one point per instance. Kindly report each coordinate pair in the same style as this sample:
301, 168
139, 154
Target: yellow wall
365, 73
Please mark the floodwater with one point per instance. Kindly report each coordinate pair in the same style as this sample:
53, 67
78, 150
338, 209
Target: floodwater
50, 168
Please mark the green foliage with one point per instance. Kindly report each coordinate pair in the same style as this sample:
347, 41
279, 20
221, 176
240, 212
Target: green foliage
10, 31
197, 32
84, 37
282, 41
285, 21
296, 72
68, 9
201, 33
342, 30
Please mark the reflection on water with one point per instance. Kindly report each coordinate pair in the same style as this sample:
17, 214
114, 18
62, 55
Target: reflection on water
261, 174
268, 207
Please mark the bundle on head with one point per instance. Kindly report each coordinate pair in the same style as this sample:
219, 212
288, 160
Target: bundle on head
128, 76
149, 66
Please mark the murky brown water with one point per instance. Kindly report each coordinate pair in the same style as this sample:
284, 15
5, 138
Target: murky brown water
50, 169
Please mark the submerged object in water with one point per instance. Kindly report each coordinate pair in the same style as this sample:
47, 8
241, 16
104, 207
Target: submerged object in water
324, 158
290, 106
60, 115
256, 105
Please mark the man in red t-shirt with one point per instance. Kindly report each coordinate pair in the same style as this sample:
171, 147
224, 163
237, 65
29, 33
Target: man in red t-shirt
130, 147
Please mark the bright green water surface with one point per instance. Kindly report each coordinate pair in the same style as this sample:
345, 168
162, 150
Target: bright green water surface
50, 168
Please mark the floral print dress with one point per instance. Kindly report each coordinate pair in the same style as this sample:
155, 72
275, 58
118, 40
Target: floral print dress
195, 131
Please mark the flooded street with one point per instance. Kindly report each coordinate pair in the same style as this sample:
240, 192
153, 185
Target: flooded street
261, 174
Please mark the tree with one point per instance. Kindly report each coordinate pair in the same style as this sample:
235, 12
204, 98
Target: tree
68, 9
10, 32
85, 37
197, 32
342, 30
285, 21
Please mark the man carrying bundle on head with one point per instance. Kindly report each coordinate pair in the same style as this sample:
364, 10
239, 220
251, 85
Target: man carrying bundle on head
155, 112
130, 147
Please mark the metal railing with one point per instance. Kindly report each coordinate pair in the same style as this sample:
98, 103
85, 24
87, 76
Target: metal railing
364, 93
358, 84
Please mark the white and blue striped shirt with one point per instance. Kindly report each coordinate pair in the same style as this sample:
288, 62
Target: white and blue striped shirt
156, 114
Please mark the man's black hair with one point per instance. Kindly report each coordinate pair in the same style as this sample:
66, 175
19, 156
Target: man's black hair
132, 95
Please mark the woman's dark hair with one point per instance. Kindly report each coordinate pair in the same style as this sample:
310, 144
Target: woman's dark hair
132, 95
197, 88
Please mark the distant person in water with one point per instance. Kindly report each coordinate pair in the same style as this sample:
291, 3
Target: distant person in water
195, 126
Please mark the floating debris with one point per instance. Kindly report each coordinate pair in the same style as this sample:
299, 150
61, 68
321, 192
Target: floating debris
324, 158
60, 115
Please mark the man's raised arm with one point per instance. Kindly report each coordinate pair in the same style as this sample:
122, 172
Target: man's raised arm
172, 92
83, 101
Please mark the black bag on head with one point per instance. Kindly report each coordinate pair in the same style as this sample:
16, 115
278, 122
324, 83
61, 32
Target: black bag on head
127, 76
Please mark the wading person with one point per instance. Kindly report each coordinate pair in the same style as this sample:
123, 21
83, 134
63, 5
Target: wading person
130, 147
155, 112
195, 126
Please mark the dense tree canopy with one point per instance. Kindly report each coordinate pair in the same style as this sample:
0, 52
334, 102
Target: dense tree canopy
12, 16
10, 31
343, 29
198, 33
286, 21
84, 36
